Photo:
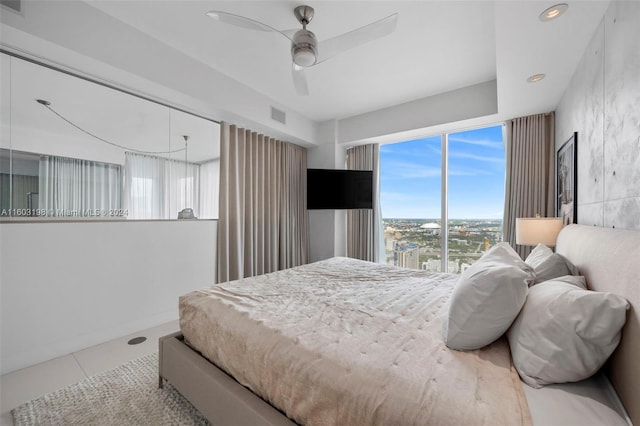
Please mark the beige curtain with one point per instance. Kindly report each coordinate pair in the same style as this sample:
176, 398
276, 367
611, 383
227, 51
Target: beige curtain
263, 222
22, 186
364, 226
530, 149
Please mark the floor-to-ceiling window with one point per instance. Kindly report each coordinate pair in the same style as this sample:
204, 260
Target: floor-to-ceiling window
442, 198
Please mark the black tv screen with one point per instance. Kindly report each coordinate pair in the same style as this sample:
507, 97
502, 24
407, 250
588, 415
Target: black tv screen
339, 189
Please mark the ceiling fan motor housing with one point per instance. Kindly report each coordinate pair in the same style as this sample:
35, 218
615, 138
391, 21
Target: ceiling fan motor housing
304, 14
304, 48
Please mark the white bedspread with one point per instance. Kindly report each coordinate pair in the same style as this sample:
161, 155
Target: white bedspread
347, 342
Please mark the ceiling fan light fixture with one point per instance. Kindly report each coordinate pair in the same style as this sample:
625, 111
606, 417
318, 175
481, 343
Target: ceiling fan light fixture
304, 51
303, 57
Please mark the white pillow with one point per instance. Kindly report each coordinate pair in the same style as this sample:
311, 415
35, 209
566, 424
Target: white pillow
486, 299
565, 333
538, 255
548, 265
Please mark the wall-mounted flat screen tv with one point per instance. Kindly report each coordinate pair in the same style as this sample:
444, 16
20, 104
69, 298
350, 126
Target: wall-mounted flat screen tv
339, 189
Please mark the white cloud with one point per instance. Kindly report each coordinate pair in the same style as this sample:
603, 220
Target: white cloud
489, 143
475, 157
409, 170
465, 171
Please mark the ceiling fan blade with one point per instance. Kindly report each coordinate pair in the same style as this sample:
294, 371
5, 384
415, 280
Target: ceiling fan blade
299, 80
244, 22
357, 37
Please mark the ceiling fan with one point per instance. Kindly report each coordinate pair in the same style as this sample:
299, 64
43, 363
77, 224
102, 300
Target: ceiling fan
306, 50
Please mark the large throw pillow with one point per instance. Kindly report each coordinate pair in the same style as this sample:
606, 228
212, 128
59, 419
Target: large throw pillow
564, 332
538, 255
486, 299
548, 265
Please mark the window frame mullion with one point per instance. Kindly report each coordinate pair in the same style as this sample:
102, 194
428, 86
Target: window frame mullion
444, 203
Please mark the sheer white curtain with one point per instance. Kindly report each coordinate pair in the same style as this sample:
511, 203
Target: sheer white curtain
158, 188
145, 197
73, 187
530, 148
364, 226
263, 222
209, 189
183, 187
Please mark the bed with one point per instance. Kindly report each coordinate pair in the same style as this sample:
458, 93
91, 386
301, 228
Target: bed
348, 342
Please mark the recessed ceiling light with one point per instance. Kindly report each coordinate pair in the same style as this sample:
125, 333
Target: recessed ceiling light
535, 78
553, 12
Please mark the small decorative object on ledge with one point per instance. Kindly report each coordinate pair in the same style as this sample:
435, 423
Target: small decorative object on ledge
186, 213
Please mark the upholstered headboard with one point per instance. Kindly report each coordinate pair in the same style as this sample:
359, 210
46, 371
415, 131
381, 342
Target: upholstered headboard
610, 261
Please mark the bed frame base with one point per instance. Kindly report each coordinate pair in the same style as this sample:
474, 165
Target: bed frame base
221, 399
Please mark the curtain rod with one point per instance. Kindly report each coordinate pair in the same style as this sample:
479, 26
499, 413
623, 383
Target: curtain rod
77, 73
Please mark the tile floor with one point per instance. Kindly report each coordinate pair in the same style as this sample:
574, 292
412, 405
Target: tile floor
29, 383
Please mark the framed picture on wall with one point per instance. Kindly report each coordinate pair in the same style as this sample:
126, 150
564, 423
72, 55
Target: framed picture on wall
567, 180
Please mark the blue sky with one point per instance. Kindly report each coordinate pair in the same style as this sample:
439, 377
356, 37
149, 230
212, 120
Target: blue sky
410, 176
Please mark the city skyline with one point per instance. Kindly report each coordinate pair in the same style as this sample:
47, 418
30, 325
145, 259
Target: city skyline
410, 176
410, 244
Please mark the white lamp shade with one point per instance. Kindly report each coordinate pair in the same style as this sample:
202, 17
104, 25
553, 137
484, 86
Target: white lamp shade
532, 231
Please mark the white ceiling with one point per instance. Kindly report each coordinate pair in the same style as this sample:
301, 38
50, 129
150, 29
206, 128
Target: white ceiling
438, 46
113, 117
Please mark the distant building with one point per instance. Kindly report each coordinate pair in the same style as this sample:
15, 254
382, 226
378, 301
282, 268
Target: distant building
432, 265
406, 255
389, 244
431, 228
464, 267
459, 241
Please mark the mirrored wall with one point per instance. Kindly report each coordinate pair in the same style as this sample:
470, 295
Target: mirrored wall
72, 148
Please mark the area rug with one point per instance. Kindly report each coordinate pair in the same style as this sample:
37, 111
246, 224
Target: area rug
126, 395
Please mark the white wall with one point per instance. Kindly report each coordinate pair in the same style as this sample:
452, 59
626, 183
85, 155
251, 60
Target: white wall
65, 286
327, 228
602, 103
479, 100
69, 285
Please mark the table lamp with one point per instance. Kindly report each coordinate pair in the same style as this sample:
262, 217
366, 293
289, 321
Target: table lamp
531, 231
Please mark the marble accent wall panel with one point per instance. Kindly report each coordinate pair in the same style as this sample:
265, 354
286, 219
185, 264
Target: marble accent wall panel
602, 103
591, 214
581, 110
622, 101
623, 213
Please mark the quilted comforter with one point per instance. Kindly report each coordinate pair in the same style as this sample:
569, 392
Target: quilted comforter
348, 342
